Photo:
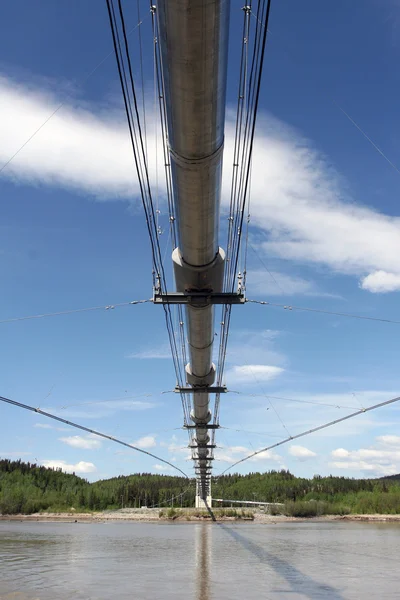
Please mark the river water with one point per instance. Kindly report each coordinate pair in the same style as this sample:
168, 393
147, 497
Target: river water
199, 561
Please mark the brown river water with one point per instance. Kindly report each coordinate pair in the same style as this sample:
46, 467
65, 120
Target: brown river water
199, 561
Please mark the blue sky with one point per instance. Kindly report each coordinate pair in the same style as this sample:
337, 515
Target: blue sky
324, 221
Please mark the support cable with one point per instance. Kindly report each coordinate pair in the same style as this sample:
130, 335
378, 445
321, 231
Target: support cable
269, 400
170, 500
88, 430
268, 271
135, 129
55, 111
181, 357
248, 101
75, 310
295, 400
313, 430
323, 311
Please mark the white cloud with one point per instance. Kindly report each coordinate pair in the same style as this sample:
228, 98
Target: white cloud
253, 373
86, 443
381, 282
14, 454
47, 426
298, 200
231, 454
382, 458
158, 467
391, 440
148, 441
366, 467
262, 283
151, 354
294, 191
103, 408
252, 346
340, 453
75, 149
178, 448
79, 467
301, 452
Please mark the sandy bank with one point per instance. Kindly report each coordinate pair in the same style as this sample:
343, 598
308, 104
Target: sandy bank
187, 515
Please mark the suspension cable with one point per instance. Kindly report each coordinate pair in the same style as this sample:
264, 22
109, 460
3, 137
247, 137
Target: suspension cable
313, 430
88, 430
247, 108
75, 310
323, 311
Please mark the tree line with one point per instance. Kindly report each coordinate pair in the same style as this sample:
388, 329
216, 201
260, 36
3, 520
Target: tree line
27, 488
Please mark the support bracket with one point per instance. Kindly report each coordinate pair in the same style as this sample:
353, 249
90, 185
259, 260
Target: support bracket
201, 298
200, 389
202, 446
202, 426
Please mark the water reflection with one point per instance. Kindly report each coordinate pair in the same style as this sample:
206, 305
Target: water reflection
203, 541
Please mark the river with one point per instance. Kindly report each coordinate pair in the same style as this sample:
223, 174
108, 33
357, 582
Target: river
199, 561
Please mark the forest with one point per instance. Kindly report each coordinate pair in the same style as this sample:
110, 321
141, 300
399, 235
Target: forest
26, 488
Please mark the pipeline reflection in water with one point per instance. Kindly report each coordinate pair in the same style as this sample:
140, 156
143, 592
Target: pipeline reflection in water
203, 560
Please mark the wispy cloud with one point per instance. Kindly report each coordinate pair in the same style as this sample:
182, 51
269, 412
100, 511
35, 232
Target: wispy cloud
76, 148
164, 468
78, 441
231, 454
14, 453
252, 346
252, 373
103, 409
48, 426
294, 188
151, 353
274, 283
79, 467
145, 442
301, 453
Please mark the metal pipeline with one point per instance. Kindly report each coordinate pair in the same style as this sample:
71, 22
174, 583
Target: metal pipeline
194, 49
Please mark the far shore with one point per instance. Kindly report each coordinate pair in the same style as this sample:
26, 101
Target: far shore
185, 515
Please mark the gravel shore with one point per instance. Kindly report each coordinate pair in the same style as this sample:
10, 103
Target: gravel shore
190, 515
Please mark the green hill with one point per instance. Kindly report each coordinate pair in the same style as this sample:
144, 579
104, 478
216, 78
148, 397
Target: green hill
27, 488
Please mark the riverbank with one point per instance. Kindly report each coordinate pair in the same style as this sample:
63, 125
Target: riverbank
187, 515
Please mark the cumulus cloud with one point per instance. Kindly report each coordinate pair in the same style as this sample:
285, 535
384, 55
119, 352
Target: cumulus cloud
301, 453
254, 373
79, 467
299, 202
381, 282
382, 458
148, 441
231, 454
78, 441
391, 440
340, 453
